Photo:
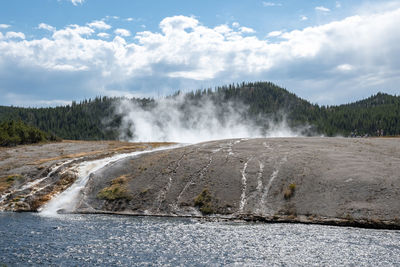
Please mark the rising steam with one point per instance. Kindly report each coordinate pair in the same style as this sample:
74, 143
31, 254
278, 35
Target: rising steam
184, 120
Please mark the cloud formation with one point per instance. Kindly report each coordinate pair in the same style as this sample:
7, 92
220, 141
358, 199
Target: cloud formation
47, 27
76, 2
269, 4
324, 64
15, 35
99, 24
122, 32
303, 18
275, 34
322, 9
103, 35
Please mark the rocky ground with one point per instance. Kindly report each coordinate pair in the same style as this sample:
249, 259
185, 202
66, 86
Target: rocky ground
336, 181
31, 175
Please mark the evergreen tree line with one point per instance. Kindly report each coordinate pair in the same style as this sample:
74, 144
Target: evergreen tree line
18, 133
97, 120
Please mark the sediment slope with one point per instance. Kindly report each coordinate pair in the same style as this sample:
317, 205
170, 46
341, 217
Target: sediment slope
31, 175
320, 180
313, 180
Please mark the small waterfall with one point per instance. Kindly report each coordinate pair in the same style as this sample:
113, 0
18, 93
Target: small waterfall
68, 200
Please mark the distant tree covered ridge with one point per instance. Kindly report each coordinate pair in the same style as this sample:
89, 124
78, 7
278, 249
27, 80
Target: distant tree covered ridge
96, 119
18, 133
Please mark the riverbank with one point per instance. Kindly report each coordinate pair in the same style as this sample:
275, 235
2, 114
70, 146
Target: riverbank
30, 175
336, 181
333, 181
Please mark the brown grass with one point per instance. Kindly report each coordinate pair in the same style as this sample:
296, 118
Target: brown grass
117, 189
289, 192
7, 182
114, 146
69, 156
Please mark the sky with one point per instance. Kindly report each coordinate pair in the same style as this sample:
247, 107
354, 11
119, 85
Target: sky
327, 52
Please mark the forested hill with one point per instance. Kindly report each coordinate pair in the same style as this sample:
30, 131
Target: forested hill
88, 120
18, 133
96, 120
379, 112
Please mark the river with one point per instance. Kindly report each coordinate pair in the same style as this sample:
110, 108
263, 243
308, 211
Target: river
107, 240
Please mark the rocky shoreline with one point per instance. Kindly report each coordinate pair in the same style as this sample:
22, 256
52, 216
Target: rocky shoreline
340, 222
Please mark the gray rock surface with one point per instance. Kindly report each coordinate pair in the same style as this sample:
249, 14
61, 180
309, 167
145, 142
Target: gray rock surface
312, 180
30, 175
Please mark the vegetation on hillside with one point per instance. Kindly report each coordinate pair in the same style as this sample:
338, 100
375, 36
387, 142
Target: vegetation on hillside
378, 115
18, 133
97, 120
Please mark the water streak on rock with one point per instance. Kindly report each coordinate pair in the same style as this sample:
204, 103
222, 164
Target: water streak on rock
68, 200
243, 199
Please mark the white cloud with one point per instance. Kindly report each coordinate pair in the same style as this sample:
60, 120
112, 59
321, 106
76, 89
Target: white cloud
99, 24
338, 4
72, 32
4, 26
269, 4
112, 17
122, 32
33, 101
76, 2
235, 24
186, 54
129, 19
303, 18
322, 9
103, 35
275, 34
247, 30
47, 27
15, 35
345, 67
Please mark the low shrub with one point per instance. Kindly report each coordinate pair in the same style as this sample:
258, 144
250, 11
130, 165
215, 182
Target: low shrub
117, 189
289, 192
204, 202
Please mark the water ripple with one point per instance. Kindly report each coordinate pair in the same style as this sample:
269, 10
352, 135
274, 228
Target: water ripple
87, 240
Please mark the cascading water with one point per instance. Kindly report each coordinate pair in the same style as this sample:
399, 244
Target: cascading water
33, 184
68, 200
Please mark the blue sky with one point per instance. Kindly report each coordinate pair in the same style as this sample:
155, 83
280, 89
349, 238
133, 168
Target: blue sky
328, 52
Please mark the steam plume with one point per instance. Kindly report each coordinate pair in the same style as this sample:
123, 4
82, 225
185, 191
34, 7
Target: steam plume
185, 120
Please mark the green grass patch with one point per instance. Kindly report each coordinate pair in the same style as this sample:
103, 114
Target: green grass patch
117, 189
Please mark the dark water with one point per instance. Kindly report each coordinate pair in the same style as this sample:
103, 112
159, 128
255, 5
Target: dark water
79, 240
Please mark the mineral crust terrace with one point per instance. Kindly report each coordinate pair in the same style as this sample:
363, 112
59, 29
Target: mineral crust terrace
339, 181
